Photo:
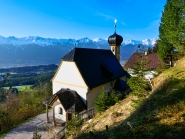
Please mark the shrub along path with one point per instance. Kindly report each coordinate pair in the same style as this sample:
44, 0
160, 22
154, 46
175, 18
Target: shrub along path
26, 130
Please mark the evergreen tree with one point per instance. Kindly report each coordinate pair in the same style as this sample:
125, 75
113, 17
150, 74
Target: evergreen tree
106, 99
140, 67
171, 30
155, 48
149, 51
182, 26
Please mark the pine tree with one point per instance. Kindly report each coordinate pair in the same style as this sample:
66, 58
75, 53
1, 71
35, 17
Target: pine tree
140, 67
149, 51
171, 30
182, 26
106, 99
155, 48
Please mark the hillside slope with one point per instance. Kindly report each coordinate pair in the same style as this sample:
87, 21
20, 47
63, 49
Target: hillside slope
156, 114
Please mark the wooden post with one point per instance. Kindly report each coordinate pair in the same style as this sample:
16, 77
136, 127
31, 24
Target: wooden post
91, 133
54, 121
66, 116
47, 113
107, 128
150, 83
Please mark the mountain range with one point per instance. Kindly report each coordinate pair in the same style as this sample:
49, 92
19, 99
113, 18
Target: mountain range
52, 41
35, 50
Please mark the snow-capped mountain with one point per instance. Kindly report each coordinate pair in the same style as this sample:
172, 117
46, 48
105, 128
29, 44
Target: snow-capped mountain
84, 40
35, 50
149, 41
34, 40
146, 42
100, 40
50, 41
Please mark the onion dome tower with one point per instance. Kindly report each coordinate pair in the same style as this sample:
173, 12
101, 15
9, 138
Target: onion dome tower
115, 41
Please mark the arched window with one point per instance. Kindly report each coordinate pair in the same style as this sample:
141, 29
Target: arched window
60, 110
113, 50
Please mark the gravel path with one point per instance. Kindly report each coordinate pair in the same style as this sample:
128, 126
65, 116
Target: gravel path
26, 130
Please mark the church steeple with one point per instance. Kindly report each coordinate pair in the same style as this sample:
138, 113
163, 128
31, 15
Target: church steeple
115, 41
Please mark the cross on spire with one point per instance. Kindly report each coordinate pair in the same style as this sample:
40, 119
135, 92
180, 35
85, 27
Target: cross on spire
115, 21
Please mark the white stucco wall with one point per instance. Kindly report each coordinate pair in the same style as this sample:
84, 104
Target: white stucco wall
57, 115
69, 73
68, 76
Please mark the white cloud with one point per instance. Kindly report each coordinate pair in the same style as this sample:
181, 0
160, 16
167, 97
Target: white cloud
109, 17
105, 16
123, 24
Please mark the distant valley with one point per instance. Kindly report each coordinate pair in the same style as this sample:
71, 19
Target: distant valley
29, 75
34, 50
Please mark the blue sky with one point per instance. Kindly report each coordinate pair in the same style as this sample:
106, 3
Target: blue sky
136, 19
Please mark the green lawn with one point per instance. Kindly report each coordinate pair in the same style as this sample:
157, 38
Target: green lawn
22, 87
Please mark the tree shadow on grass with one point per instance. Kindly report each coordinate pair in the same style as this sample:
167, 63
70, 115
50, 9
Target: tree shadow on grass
161, 116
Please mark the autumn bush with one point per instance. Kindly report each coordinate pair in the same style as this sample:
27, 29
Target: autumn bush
19, 108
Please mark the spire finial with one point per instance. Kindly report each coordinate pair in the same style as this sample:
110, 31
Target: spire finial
115, 21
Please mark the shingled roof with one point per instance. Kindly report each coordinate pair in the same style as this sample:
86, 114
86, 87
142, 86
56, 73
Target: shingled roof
120, 85
69, 99
97, 66
154, 61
